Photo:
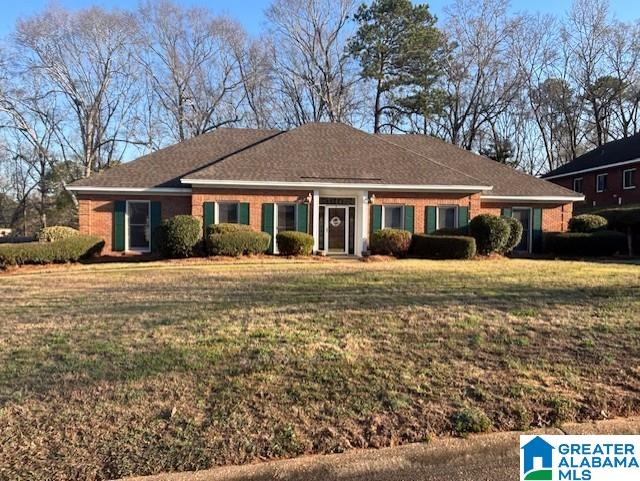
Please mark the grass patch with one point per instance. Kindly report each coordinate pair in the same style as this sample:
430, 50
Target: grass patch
132, 369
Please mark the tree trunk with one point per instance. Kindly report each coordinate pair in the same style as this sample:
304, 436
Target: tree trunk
630, 240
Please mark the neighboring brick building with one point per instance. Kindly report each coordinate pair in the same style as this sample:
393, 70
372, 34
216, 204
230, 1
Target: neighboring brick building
331, 180
608, 175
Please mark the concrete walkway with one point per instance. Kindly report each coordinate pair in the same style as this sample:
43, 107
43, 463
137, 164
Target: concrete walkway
478, 458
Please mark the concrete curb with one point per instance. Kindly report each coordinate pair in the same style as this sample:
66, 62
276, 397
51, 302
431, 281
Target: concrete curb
480, 457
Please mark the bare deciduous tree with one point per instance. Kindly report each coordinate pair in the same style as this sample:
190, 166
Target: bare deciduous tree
85, 58
191, 67
315, 75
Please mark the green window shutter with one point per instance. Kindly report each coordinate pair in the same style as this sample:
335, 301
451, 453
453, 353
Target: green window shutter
429, 219
376, 218
537, 230
267, 222
243, 213
408, 218
303, 217
463, 216
119, 209
208, 211
507, 212
155, 221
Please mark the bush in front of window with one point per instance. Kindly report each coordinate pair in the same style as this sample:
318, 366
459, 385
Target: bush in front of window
515, 234
490, 232
601, 243
587, 223
293, 243
56, 232
71, 249
225, 228
426, 246
237, 243
393, 242
453, 231
179, 236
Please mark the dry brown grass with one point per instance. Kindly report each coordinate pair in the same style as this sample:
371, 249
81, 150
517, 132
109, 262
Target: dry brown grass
110, 370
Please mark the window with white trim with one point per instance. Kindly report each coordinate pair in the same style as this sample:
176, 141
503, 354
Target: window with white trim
577, 185
227, 212
286, 217
601, 182
629, 179
447, 217
393, 217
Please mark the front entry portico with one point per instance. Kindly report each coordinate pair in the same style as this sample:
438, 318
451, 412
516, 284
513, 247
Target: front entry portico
339, 222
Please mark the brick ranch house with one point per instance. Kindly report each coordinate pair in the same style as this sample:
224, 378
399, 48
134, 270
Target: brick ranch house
606, 175
331, 180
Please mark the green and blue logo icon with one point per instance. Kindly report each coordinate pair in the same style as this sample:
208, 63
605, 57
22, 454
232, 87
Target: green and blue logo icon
537, 460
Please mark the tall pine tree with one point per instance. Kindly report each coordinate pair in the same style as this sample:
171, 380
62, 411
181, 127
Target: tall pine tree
401, 50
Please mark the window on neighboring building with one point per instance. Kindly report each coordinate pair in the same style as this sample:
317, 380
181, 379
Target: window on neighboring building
601, 182
447, 218
577, 185
393, 217
629, 179
227, 212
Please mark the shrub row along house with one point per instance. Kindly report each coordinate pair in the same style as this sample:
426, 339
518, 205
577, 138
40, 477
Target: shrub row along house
607, 175
331, 180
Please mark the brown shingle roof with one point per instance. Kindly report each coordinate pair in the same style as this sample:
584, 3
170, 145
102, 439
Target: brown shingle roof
335, 153
320, 153
506, 181
165, 167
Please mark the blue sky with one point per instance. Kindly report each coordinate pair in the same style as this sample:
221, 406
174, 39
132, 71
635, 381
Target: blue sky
250, 12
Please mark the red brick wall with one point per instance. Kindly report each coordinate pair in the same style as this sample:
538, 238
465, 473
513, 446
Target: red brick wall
420, 201
95, 212
555, 217
255, 199
614, 189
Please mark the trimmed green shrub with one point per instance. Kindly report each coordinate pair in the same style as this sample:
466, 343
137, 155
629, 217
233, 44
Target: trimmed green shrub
470, 420
237, 243
490, 232
225, 228
515, 234
71, 249
393, 242
442, 247
456, 231
179, 236
624, 219
56, 232
292, 243
585, 244
587, 223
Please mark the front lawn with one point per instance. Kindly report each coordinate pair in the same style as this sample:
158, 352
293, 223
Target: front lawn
119, 369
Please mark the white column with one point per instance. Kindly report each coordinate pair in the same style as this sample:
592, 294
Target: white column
362, 220
316, 220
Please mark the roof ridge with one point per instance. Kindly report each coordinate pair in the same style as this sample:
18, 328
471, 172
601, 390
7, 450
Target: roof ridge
427, 157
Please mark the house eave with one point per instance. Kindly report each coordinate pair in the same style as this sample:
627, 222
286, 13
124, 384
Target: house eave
238, 184
532, 198
86, 189
592, 169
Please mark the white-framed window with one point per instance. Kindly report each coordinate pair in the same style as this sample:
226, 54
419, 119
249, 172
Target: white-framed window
286, 217
138, 226
577, 185
629, 179
601, 182
447, 216
393, 217
227, 212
